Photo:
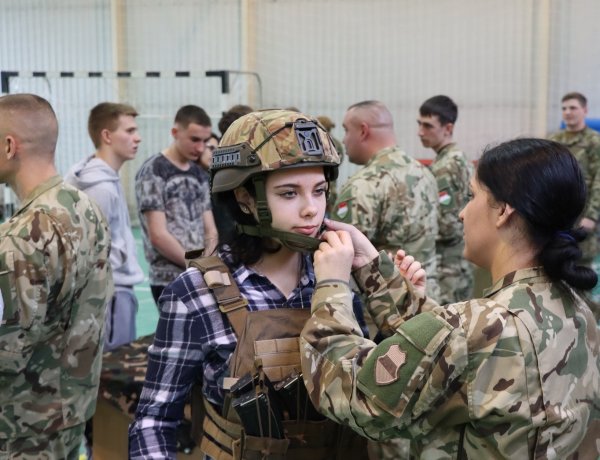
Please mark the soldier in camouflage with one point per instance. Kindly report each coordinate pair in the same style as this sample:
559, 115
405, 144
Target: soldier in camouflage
452, 172
584, 143
393, 199
55, 280
515, 374
328, 124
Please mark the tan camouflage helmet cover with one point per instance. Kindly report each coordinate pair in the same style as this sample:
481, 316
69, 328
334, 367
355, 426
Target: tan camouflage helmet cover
327, 123
268, 140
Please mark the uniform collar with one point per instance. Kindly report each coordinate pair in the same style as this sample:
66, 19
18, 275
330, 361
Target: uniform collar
382, 152
574, 137
39, 190
516, 277
445, 149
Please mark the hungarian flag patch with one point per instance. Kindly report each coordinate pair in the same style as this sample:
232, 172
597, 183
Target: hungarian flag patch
444, 198
342, 210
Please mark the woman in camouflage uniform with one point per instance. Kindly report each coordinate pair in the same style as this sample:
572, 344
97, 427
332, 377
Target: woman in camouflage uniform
512, 375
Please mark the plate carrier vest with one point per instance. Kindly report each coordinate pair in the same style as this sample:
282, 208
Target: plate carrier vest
271, 339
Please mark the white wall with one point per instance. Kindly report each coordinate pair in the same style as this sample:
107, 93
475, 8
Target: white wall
505, 62
575, 55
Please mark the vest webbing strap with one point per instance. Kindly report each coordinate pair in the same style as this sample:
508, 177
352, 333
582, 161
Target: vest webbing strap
219, 280
213, 451
233, 430
219, 434
215, 442
222, 439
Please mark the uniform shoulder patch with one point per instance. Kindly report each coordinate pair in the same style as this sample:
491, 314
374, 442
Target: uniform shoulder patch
387, 369
444, 198
394, 372
342, 209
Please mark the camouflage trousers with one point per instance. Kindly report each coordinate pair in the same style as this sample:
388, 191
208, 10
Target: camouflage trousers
61, 445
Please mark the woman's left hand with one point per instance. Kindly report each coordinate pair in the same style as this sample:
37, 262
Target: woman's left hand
411, 269
333, 259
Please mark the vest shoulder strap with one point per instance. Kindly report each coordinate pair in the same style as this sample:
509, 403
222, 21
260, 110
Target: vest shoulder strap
219, 280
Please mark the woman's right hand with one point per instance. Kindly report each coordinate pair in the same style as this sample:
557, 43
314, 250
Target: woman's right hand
364, 251
411, 270
333, 259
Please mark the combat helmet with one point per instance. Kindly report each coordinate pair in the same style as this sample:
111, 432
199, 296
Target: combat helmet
265, 141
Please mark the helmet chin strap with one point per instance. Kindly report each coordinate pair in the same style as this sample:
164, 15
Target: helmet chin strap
293, 241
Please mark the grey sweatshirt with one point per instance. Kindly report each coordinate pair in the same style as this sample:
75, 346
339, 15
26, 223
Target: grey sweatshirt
102, 183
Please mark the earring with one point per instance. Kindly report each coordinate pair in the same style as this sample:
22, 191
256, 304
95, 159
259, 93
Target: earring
244, 207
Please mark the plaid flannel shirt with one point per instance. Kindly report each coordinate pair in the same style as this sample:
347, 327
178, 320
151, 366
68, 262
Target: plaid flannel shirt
194, 342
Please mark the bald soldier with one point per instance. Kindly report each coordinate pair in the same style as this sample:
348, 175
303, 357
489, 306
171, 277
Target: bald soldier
393, 199
333, 185
54, 281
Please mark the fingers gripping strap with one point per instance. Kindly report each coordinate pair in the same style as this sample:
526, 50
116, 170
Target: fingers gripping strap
291, 240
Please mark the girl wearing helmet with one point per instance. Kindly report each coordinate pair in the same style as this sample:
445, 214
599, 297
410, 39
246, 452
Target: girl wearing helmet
240, 311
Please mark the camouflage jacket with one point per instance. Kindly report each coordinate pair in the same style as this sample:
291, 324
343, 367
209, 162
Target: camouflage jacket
513, 375
585, 145
452, 172
393, 201
55, 281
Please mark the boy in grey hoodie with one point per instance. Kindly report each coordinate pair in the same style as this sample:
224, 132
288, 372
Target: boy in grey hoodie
114, 132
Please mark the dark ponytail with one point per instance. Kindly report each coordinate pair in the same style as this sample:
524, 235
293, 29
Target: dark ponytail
543, 182
559, 258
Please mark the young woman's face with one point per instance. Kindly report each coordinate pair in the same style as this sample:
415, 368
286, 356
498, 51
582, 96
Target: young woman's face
297, 199
479, 222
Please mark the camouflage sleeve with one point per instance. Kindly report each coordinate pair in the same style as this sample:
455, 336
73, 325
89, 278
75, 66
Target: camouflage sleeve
453, 192
390, 299
379, 391
25, 283
592, 210
392, 213
359, 204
